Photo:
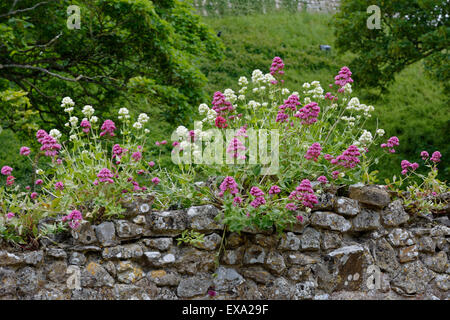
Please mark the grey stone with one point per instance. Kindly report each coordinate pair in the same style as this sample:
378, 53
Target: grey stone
394, 214
437, 262
8, 281
412, 278
94, 275
257, 274
194, 286
134, 292
56, 253
385, 256
167, 222
254, 254
443, 282
128, 230
330, 221
310, 239
84, 234
227, 279
325, 200
347, 206
27, 281
426, 244
162, 278
202, 218
34, 257
297, 258
289, 241
326, 281
9, 259
233, 256
280, 289
234, 240
193, 261
300, 273
330, 240
162, 244
304, 290
57, 271
400, 237
127, 251
210, 242
275, 263
407, 254
346, 250
138, 205
366, 220
106, 234
371, 195
77, 258
440, 231
128, 272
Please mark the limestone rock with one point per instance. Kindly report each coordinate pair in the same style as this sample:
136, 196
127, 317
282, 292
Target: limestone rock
297, 258
193, 286
310, 239
202, 218
426, 244
94, 275
257, 274
437, 262
162, 244
128, 230
325, 200
385, 256
347, 206
330, 240
106, 234
412, 278
9, 259
330, 221
8, 281
394, 214
400, 237
193, 261
56, 253
254, 255
407, 254
127, 251
33, 258
289, 241
210, 242
275, 263
371, 195
227, 279
167, 222
304, 290
233, 256
128, 272
162, 278
77, 258
84, 234
366, 220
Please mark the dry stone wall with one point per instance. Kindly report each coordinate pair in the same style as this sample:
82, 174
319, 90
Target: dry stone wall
359, 245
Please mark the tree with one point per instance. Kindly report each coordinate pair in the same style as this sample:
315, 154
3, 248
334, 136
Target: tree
410, 30
126, 52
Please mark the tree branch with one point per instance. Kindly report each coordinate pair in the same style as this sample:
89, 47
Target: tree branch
10, 13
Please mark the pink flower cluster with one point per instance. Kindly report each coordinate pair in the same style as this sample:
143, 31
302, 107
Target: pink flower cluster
137, 156
59, 186
49, 144
228, 184
436, 157
274, 189
74, 218
343, 78
25, 151
349, 158
305, 194
313, 152
234, 149
220, 104
105, 175
308, 113
391, 143
108, 127
407, 165
322, 179
291, 103
6, 170
259, 197
277, 66
85, 125
221, 122
282, 117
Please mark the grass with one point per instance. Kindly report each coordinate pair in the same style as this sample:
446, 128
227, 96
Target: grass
415, 108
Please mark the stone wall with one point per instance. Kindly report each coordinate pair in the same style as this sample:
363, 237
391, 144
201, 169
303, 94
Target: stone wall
355, 244
207, 7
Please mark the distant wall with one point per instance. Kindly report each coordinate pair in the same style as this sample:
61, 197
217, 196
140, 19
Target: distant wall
358, 246
211, 7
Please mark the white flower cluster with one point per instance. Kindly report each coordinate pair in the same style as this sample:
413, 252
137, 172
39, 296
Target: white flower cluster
54, 133
259, 78
285, 91
67, 103
366, 138
380, 132
350, 120
88, 111
315, 90
73, 121
243, 81
123, 113
230, 96
355, 105
254, 105
203, 108
142, 119
211, 114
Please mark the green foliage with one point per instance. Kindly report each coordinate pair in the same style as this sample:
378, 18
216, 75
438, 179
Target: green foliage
415, 108
191, 237
119, 42
411, 30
